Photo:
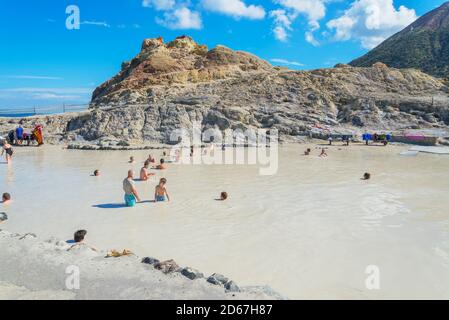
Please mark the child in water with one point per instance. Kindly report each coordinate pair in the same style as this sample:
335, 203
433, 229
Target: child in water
131, 160
160, 193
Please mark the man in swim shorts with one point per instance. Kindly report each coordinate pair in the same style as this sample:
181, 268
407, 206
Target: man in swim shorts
131, 195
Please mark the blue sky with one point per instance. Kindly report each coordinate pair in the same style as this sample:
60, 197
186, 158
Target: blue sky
43, 63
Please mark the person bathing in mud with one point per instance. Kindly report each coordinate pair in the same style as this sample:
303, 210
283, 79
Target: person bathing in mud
366, 176
151, 159
78, 240
160, 192
6, 198
7, 148
144, 173
161, 166
323, 153
131, 195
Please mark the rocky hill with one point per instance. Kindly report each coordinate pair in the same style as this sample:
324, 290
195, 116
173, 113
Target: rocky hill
423, 45
171, 85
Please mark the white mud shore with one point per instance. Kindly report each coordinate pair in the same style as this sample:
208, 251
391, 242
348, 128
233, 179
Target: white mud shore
33, 268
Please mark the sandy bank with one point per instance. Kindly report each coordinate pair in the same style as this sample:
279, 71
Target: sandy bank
33, 268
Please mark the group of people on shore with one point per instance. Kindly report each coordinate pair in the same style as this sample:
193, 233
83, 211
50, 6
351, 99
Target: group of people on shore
19, 137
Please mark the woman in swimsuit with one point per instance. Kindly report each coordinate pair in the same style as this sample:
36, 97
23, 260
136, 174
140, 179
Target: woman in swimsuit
9, 152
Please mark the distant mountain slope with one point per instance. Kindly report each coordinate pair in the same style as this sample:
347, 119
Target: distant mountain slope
181, 83
423, 45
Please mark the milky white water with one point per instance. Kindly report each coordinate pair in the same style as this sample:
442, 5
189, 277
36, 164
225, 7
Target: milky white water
310, 231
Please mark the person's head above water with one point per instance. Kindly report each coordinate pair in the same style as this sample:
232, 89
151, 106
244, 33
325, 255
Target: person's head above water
79, 236
162, 161
6, 197
224, 196
367, 176
131, 159
97, 173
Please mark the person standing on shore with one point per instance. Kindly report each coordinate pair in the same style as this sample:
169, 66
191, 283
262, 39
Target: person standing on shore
19, 134
131, 195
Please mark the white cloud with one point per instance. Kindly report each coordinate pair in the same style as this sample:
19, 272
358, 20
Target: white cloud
68, 90
40, 94
287, 62
30, 77
280, 33
313, 10
96, 23
371, 21
282, 24
310, 38
159, 4
54, 96
181, 18
235, 8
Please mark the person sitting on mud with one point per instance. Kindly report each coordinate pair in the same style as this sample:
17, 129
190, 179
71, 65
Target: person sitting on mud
160, 192
79, 236
161, 166
78, 239
6, 198
366, 176
131, 195
144, 174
